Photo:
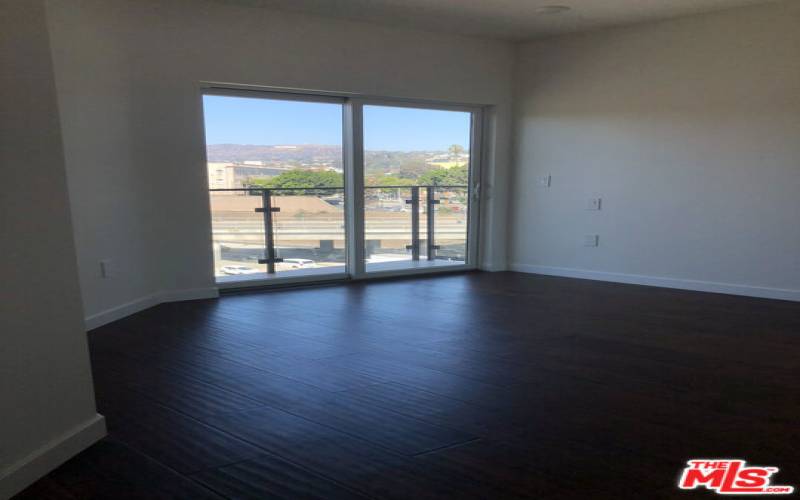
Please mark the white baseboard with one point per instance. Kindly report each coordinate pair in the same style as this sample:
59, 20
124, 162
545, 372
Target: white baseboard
142, 303
683, 284
48, 457
120, 311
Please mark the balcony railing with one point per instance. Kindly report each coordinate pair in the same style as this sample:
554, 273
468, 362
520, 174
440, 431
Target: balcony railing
283, 228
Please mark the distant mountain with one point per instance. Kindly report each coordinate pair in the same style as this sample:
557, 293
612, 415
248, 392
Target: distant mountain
301, 153
316, 156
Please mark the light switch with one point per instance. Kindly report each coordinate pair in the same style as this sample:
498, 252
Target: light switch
107, 268
543, 181
594, 203
591, 240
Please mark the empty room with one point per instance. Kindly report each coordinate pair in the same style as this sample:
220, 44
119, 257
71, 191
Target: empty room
420, 249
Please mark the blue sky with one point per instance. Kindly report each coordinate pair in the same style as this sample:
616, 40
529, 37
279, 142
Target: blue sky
239, 120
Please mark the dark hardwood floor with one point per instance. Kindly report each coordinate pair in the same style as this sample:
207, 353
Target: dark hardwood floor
477, 385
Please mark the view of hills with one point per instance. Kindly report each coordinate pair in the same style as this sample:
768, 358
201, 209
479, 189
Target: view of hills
315, 156
304, 153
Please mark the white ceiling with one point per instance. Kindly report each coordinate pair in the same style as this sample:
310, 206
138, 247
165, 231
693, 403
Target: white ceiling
506, 19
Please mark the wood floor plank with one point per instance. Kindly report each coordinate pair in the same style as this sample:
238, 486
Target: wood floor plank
393, 430
378, 472
176, 440
271, 477
273, 430
111, 470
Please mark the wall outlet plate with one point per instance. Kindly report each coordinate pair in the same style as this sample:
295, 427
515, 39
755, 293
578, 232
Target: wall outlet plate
591, 240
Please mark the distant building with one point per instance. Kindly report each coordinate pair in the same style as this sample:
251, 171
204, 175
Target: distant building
217, 175
229, 175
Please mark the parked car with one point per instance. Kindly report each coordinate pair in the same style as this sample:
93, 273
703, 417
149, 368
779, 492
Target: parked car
236, 270
300, 263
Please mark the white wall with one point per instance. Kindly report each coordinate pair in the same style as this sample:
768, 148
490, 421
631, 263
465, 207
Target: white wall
688, 129
127, 75
47, 410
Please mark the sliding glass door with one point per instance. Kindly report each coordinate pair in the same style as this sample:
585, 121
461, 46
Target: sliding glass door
305, 187
416, 187
276, 186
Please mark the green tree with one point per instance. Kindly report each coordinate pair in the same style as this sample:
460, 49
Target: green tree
455, 150
412, 168
301, 181
453, 176
388, 180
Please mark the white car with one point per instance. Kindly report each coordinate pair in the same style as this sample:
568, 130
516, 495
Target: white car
300, 263
236, 270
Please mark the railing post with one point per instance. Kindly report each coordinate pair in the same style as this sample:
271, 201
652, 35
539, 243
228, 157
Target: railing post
429, 207
414, 202
269, 237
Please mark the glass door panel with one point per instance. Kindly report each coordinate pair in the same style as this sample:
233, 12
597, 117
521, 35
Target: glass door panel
276, 185
416, 187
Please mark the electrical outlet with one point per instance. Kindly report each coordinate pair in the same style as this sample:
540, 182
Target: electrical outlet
594, 203
107, 268
543, 181
591, 240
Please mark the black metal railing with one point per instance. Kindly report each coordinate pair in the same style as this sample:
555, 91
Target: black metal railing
268, 209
